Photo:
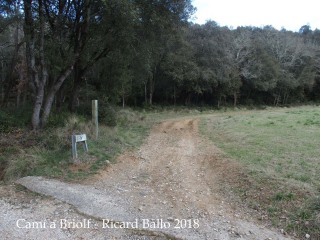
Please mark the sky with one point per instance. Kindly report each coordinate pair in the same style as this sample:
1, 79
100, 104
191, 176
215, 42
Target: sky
287, 14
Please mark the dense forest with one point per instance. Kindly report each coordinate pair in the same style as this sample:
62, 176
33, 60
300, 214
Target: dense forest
60, 54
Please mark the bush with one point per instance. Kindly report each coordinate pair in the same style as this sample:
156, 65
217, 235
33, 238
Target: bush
127, 116
14, 118
57, 119
5, 122
107, 115
85, 110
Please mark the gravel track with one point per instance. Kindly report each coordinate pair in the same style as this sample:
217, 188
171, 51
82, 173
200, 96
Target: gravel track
170, 188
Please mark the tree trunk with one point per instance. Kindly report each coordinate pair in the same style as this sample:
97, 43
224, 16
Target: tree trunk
2, 82
288, 94
219, 102
235, 99
188, 99
10, 73
151, 90
80, 68
37, 84
152, 84
277, 99
145, 92
285, 97
78, 80
52, 92
74, 101
18, 99
59, 98
37, 109
150, 98
24, 99
174, 95
37, 73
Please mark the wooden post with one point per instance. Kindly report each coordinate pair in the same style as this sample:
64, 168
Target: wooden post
95, 116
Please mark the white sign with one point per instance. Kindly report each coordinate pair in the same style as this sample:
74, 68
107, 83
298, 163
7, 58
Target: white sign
82, 138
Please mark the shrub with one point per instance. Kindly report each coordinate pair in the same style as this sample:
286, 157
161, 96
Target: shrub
107, 115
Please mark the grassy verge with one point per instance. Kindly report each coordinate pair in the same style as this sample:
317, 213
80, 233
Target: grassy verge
280, 151
48, 153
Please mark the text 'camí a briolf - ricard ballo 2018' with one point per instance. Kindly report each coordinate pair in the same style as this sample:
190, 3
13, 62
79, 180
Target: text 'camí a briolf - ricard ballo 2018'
109, 223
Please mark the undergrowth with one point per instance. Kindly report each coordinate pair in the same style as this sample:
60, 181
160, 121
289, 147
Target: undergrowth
48, 152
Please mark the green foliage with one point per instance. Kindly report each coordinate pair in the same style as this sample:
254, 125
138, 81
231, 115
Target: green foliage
11, 119
107, 115
50, 151
85, 110
58, 119
147, 50
5, 122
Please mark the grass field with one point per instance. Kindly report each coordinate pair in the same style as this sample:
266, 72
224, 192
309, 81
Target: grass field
280, 150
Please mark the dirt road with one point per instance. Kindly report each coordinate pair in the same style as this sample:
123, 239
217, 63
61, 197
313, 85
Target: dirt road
169, 188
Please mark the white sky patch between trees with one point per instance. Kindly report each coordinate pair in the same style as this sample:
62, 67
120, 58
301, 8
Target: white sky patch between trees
290, 15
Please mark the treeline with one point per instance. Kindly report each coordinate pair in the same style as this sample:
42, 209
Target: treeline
61, 54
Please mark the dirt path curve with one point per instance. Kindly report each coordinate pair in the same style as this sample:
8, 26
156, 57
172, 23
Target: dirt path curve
174, 177
169, 187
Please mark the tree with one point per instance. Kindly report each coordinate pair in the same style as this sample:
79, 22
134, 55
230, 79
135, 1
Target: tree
160, 21
145, 51
179, 69
218, 58
36, 35
111, 24
62, 26
10, 47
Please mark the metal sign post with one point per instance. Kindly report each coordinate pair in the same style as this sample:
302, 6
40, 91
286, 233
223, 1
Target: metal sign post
78, 138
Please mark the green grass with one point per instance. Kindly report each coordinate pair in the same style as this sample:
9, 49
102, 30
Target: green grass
113, 141
48, 153
280, 149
